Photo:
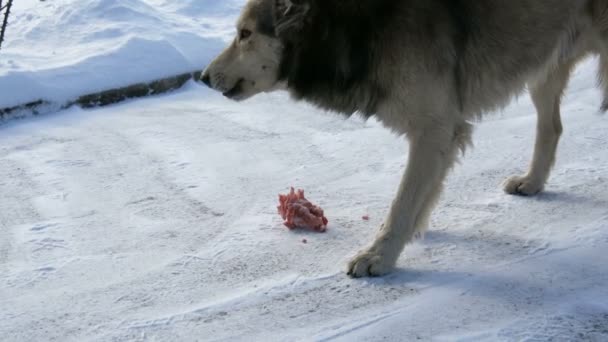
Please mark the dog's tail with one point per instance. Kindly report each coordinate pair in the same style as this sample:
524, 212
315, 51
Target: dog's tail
603, 80
599, 11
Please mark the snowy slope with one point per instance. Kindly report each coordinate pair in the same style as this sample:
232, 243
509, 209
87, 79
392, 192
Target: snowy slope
155, 220
58, 50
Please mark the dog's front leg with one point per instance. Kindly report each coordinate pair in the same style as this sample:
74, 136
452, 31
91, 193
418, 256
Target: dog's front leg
433, 151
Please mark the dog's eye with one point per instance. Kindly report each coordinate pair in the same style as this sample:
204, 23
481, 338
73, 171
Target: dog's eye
244, 34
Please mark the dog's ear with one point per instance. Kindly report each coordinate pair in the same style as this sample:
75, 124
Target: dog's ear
290, 16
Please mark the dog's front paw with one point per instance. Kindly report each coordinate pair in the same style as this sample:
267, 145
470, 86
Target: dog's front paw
523, 185
369, 263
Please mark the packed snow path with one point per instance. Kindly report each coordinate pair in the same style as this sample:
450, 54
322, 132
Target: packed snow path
156, 220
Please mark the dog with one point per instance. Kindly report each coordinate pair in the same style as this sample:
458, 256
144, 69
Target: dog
426, 69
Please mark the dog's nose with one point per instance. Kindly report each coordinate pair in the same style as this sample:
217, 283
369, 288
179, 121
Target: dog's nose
206, 79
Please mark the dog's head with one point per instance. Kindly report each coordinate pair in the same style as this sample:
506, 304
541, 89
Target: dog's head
251, 64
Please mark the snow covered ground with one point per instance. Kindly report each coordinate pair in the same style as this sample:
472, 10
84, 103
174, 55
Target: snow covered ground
58, 50
155, 220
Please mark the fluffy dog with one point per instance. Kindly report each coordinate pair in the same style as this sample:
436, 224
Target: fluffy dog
425, 69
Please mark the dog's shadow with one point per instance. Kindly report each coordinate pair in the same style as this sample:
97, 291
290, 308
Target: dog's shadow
481, 279
567, 197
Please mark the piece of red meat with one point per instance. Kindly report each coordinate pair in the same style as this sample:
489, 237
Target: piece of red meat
298, 212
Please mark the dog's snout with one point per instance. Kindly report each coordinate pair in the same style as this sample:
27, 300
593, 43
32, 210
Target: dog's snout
206, 78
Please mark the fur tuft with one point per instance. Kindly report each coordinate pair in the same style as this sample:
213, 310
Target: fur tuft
603, 81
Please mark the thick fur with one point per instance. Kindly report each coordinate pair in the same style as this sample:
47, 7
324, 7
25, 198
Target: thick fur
425, 68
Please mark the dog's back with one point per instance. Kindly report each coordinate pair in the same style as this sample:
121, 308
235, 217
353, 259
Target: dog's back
498, 46
514, 40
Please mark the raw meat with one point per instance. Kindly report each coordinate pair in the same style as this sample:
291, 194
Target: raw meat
298, 212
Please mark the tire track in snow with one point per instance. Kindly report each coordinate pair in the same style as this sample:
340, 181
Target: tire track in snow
147, 181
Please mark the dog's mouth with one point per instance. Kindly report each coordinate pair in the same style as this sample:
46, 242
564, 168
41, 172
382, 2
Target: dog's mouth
235, 91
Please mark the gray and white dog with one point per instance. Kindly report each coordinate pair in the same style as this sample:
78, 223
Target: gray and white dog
425, 69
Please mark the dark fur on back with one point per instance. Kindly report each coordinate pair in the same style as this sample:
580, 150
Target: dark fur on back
330, 61
334, 59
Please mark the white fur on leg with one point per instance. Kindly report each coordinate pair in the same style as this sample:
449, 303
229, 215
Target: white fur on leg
546, 94
377, 260
432, 154
523, 185
369, 264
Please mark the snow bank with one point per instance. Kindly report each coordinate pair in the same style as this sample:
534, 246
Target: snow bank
62, 49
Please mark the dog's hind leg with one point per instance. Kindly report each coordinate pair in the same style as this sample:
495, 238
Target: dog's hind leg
546, 95
433, 151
